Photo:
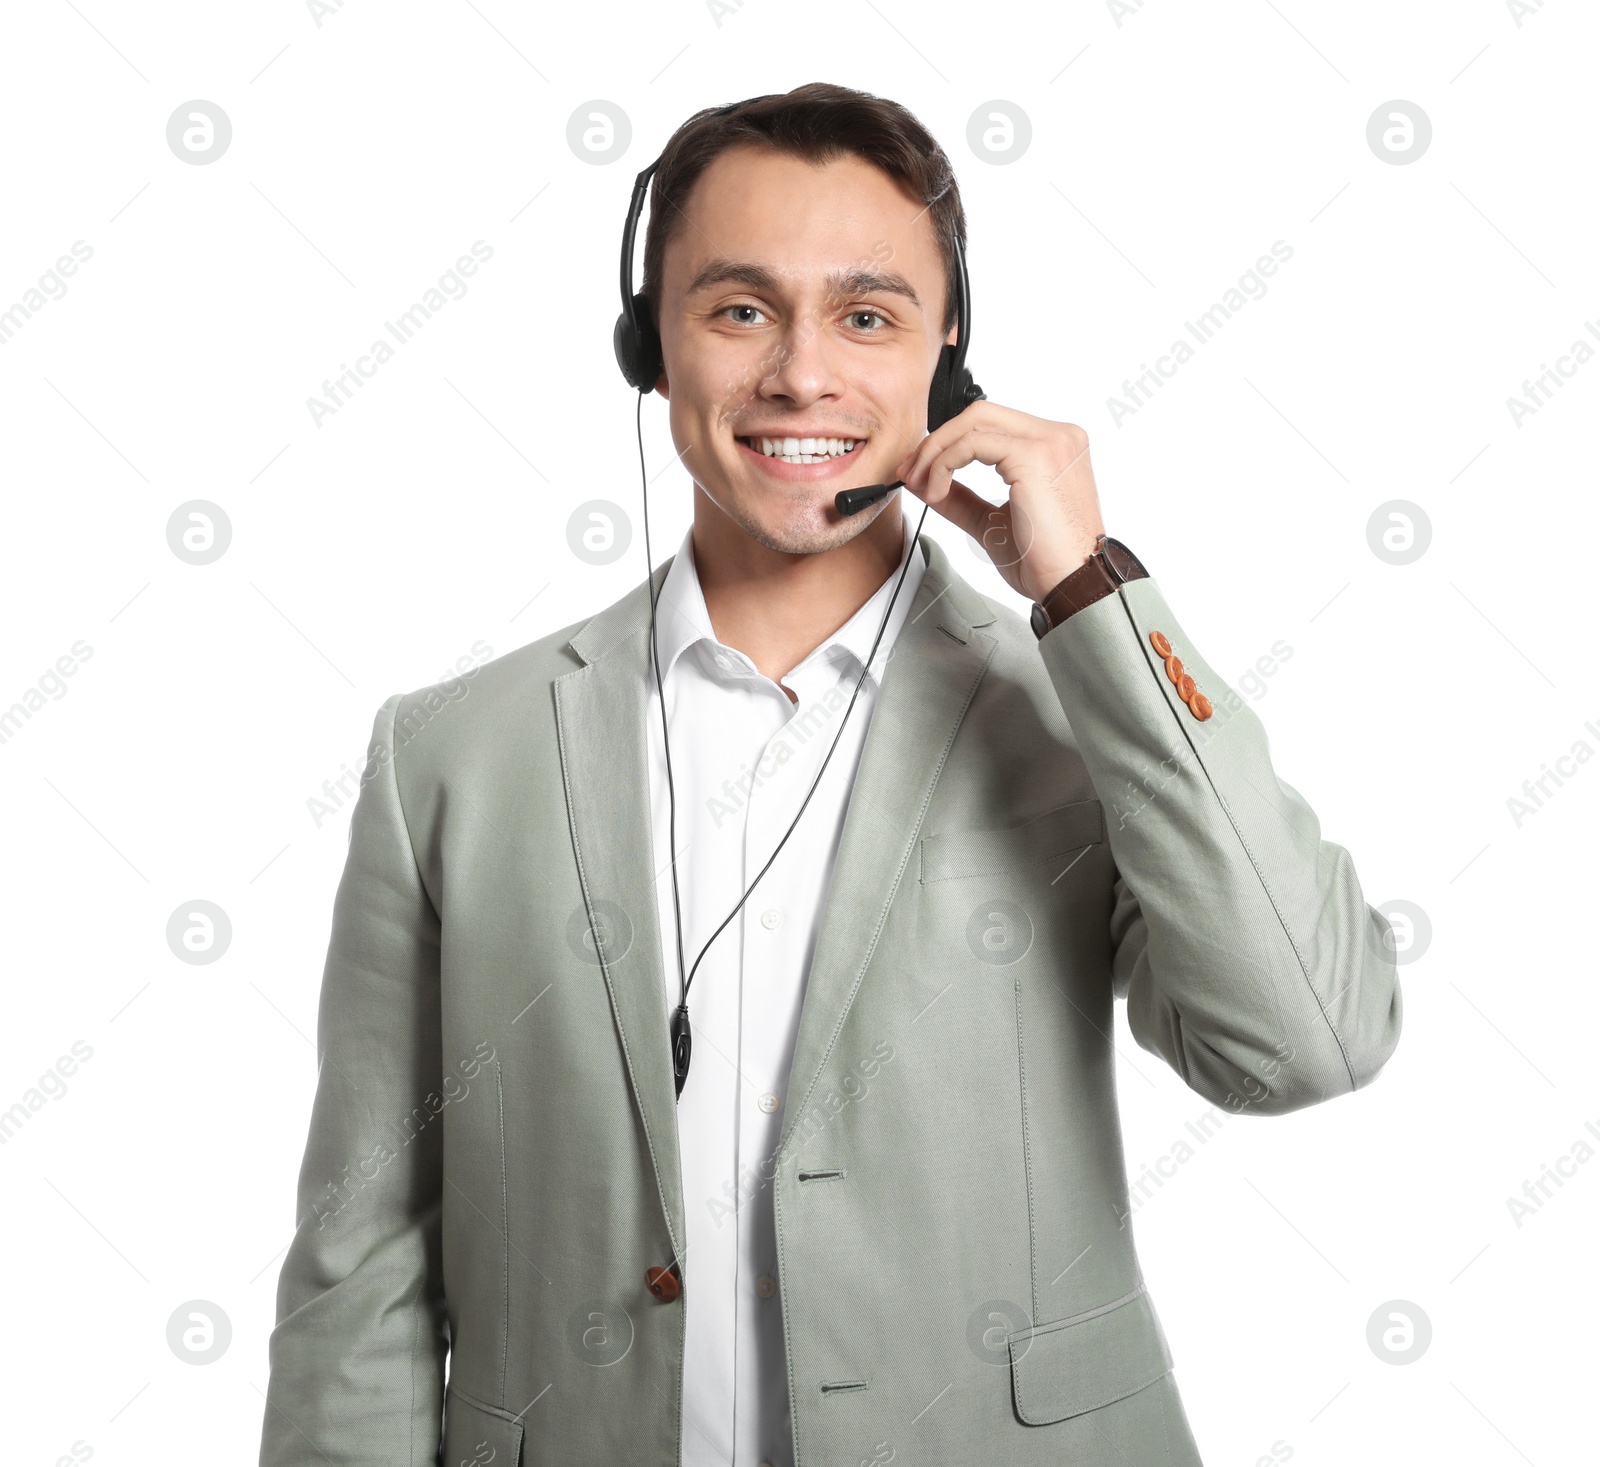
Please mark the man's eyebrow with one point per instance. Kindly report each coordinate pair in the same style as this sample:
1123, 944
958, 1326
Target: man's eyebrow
851, 281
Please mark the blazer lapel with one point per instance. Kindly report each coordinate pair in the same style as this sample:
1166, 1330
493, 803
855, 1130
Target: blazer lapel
937, 662
600, 719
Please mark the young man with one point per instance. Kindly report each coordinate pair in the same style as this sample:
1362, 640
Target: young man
888, 1214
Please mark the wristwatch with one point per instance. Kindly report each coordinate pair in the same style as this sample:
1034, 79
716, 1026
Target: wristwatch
1108, 567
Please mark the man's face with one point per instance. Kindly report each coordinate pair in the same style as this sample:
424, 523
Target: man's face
798, 302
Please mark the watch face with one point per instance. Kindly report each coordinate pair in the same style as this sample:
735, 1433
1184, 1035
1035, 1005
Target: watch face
1124, 563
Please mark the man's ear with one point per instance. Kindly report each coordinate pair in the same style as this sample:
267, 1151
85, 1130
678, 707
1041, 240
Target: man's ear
955, 331
661, 386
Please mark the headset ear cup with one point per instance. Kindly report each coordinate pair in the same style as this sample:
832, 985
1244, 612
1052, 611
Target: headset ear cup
638, 350
939, 395
650, 361
625, 344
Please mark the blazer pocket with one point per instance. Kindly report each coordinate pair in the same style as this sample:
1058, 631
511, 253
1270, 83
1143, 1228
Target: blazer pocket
1056, 832
1070, 1366
478, 1435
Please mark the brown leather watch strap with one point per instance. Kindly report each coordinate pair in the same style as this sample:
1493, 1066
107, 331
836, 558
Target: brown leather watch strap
1111, 564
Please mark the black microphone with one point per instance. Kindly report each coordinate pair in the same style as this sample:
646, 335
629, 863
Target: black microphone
853, 501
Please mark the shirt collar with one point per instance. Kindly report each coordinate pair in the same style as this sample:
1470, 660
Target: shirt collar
682, 620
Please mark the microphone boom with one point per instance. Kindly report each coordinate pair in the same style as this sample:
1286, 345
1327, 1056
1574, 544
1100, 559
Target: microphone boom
853, 501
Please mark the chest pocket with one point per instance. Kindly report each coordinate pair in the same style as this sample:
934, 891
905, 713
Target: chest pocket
952, 854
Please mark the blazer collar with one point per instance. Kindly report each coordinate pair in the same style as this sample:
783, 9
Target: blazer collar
940, 658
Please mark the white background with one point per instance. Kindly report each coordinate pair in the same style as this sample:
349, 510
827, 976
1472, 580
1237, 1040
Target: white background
368, 554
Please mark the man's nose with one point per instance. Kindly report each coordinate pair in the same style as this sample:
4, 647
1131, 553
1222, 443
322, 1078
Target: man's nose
805, 365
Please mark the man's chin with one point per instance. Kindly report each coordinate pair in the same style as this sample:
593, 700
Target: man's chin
796, 521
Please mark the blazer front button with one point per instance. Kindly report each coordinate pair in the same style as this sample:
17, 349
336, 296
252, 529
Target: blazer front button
766, 1286
663, 1283
1161, 644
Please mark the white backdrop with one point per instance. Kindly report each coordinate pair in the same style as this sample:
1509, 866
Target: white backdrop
181, 712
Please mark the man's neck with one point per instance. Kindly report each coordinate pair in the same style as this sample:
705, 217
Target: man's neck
776, 607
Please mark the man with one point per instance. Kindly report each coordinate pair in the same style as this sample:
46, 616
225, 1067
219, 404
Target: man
888, 1214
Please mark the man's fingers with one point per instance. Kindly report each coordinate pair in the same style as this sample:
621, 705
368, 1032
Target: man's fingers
1019, 453
963, 507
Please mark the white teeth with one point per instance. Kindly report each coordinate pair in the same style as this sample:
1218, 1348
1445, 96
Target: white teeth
804, 450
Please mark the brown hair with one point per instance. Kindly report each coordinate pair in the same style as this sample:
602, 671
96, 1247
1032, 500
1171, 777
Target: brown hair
816, 122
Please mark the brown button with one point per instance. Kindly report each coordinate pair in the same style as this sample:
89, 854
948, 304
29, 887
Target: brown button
1200, 706
663, 1283
1185, 687
1174, 668
1161, 644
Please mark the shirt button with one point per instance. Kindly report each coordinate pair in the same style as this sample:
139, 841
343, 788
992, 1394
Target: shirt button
723, 662
766, 1286
770, 1102
771, 918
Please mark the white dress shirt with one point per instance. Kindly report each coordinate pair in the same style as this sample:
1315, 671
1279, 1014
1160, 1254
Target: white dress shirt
743, 757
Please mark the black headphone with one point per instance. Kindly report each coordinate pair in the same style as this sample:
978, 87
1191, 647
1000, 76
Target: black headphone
638, 348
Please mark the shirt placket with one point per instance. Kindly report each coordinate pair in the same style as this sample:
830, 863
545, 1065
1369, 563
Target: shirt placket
763, 976
707, 1119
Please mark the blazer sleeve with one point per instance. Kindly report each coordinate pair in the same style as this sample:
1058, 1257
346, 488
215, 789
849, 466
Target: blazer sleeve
358, 1353
1249, 959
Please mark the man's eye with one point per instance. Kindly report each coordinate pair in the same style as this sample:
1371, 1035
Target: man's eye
873, 315
756, 309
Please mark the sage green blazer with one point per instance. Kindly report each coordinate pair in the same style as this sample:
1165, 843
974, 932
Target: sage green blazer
1037, 829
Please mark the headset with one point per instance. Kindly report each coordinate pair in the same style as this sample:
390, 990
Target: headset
637, 344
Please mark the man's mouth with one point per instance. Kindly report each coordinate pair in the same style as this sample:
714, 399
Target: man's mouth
802, 450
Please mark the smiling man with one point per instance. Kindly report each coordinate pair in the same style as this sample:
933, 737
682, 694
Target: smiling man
899, 849
799, 367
